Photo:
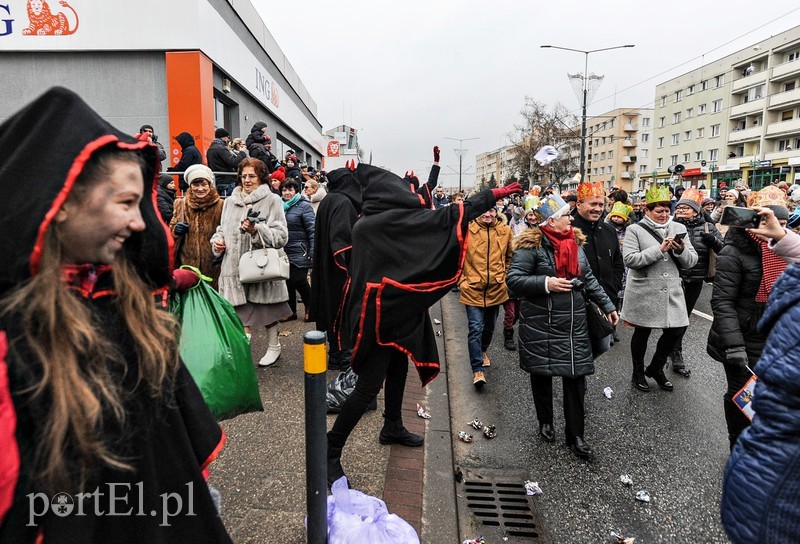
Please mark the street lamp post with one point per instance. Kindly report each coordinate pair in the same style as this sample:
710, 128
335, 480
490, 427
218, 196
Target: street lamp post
460, 152
583, 109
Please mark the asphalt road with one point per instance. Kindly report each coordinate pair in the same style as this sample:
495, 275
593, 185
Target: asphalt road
674, 445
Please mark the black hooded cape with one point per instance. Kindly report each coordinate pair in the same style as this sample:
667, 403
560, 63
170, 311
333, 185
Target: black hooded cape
168, 441
405, 257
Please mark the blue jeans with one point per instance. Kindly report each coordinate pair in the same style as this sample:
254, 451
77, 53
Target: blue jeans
481, 328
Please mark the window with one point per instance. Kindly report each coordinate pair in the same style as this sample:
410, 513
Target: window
754, 93
610, 169
701, 132
644, 153
663, 101
713, 154
661, 122
704, 85
690, 90
675, 139
673, 160
678, 95
784, 145
610, 154
689, 112
603, 156
714, 130
687, 135
611, 124
660, 142
604, 140
597, 141
787, 115
686, 157
595, 171
676, 118
604, 125
642, 168
698, 156
788, 86
659, 163
719, 81
595, 156
602, 169
645, 137
645, 121
701, 109
717, 105
792, 56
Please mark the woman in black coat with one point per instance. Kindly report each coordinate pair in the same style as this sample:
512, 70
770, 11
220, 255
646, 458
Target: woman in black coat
166, 197
553, 333
705, 239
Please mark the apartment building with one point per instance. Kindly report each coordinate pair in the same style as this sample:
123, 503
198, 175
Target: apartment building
618, 148
497, 162
734, 118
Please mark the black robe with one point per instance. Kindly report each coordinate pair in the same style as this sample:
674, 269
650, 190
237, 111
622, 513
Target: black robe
168, 441
405, 257
425, 191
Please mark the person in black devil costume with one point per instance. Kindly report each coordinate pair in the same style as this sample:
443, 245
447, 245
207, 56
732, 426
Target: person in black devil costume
426, 191
404, 258
92, 390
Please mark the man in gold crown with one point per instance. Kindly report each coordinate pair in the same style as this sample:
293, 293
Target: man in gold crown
602, 247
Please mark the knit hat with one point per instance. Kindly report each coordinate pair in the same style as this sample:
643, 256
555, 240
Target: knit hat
279, 174
620, 209
142, 129
550, 206
199, 171
691, 197
706, 201
221, 133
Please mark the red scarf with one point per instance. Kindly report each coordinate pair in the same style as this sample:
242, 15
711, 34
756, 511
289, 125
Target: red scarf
565, 249
772, 266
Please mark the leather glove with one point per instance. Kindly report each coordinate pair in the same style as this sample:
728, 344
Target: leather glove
180, 228
736, 357
436, 153
708, 238
508, 190
184, 279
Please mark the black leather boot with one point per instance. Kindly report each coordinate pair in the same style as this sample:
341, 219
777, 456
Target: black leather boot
655, 370
638, 379
508, 337
335, 470
678, 364
394, 432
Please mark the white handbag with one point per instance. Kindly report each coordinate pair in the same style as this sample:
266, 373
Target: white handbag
264, 264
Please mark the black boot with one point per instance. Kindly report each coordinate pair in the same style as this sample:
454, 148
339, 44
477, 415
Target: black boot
394, 432
335, 470
638, 379
508, 336
655, 370
678, 364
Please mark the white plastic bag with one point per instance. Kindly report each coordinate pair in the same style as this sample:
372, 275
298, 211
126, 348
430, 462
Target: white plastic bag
356, 518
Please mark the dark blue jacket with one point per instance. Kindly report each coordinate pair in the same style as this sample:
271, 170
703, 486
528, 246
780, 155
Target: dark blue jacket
761, 489
300, 247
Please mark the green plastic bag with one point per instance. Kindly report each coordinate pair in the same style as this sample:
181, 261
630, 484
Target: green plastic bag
216, 351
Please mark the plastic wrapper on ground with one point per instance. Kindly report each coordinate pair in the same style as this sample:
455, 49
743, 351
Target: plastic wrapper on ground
339, 389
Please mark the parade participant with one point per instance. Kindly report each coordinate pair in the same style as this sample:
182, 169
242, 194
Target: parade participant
255, 303
619, 218
195, 220
746, 272
547, 265
95, 403
655, 251
705, 239
601, 246
483, 286
426, 191
300, 246
395, 276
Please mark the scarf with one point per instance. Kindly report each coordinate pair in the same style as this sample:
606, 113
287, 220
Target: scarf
772, 266
200, 204
661, 229
291, 202
565, 249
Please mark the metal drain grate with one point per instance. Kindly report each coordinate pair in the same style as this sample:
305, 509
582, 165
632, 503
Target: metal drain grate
498, 501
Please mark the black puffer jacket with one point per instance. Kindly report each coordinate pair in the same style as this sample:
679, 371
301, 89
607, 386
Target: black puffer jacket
736, 312
603, 254
189, 155
553, 334
255, 143
165, 198
696, 230
222, 159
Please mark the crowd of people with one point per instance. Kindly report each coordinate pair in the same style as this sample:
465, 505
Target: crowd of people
92, 388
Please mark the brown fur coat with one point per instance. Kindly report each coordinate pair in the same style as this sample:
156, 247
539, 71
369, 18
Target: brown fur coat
194, 247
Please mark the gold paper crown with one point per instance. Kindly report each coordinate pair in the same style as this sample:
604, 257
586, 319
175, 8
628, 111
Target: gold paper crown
769, 196
657, 193
692, 194
551, 205
591, 189
621, 209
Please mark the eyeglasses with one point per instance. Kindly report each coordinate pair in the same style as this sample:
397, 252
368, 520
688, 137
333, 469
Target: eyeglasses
248, 176
682, 208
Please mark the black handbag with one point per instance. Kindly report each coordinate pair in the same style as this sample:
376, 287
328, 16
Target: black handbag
600, 328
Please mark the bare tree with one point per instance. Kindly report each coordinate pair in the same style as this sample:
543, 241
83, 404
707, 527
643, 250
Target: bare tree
539, 127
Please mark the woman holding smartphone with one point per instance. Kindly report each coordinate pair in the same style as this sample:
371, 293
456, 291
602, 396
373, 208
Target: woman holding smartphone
655, 251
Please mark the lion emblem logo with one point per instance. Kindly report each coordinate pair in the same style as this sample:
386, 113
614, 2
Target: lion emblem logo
44, 23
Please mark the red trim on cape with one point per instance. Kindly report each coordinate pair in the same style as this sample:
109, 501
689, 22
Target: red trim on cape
337, 254
216, 451
337, 322
9, 454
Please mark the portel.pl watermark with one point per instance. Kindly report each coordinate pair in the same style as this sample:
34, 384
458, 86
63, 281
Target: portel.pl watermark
119, 499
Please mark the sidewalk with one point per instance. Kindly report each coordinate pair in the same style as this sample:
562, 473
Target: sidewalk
261, 471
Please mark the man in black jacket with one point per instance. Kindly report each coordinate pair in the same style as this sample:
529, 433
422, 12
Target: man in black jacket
222, 159
602, 247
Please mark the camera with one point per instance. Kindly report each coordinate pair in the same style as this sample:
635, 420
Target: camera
577, 283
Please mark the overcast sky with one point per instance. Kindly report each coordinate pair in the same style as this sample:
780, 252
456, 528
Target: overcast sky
409, 74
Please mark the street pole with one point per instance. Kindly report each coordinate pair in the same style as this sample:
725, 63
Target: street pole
460, 152
585, 92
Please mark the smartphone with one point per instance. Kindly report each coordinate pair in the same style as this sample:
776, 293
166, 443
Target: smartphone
734, 216
680, 236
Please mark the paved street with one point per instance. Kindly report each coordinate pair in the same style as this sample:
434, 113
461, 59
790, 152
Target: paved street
674, 445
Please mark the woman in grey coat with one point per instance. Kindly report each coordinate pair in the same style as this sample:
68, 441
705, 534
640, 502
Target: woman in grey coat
655, 251
262, 303
547, 264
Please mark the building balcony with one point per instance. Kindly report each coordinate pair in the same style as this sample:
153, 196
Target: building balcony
749, 81
787, 70
786, 154
626, 175
782, 100
628, 159
629, 142
783, 127
741, 135
627, 127
748, 107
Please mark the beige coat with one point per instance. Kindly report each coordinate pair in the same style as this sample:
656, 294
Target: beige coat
274, 232
483, 280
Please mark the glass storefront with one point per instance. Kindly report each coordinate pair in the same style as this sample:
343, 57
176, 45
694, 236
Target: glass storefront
761, 177
729, 178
